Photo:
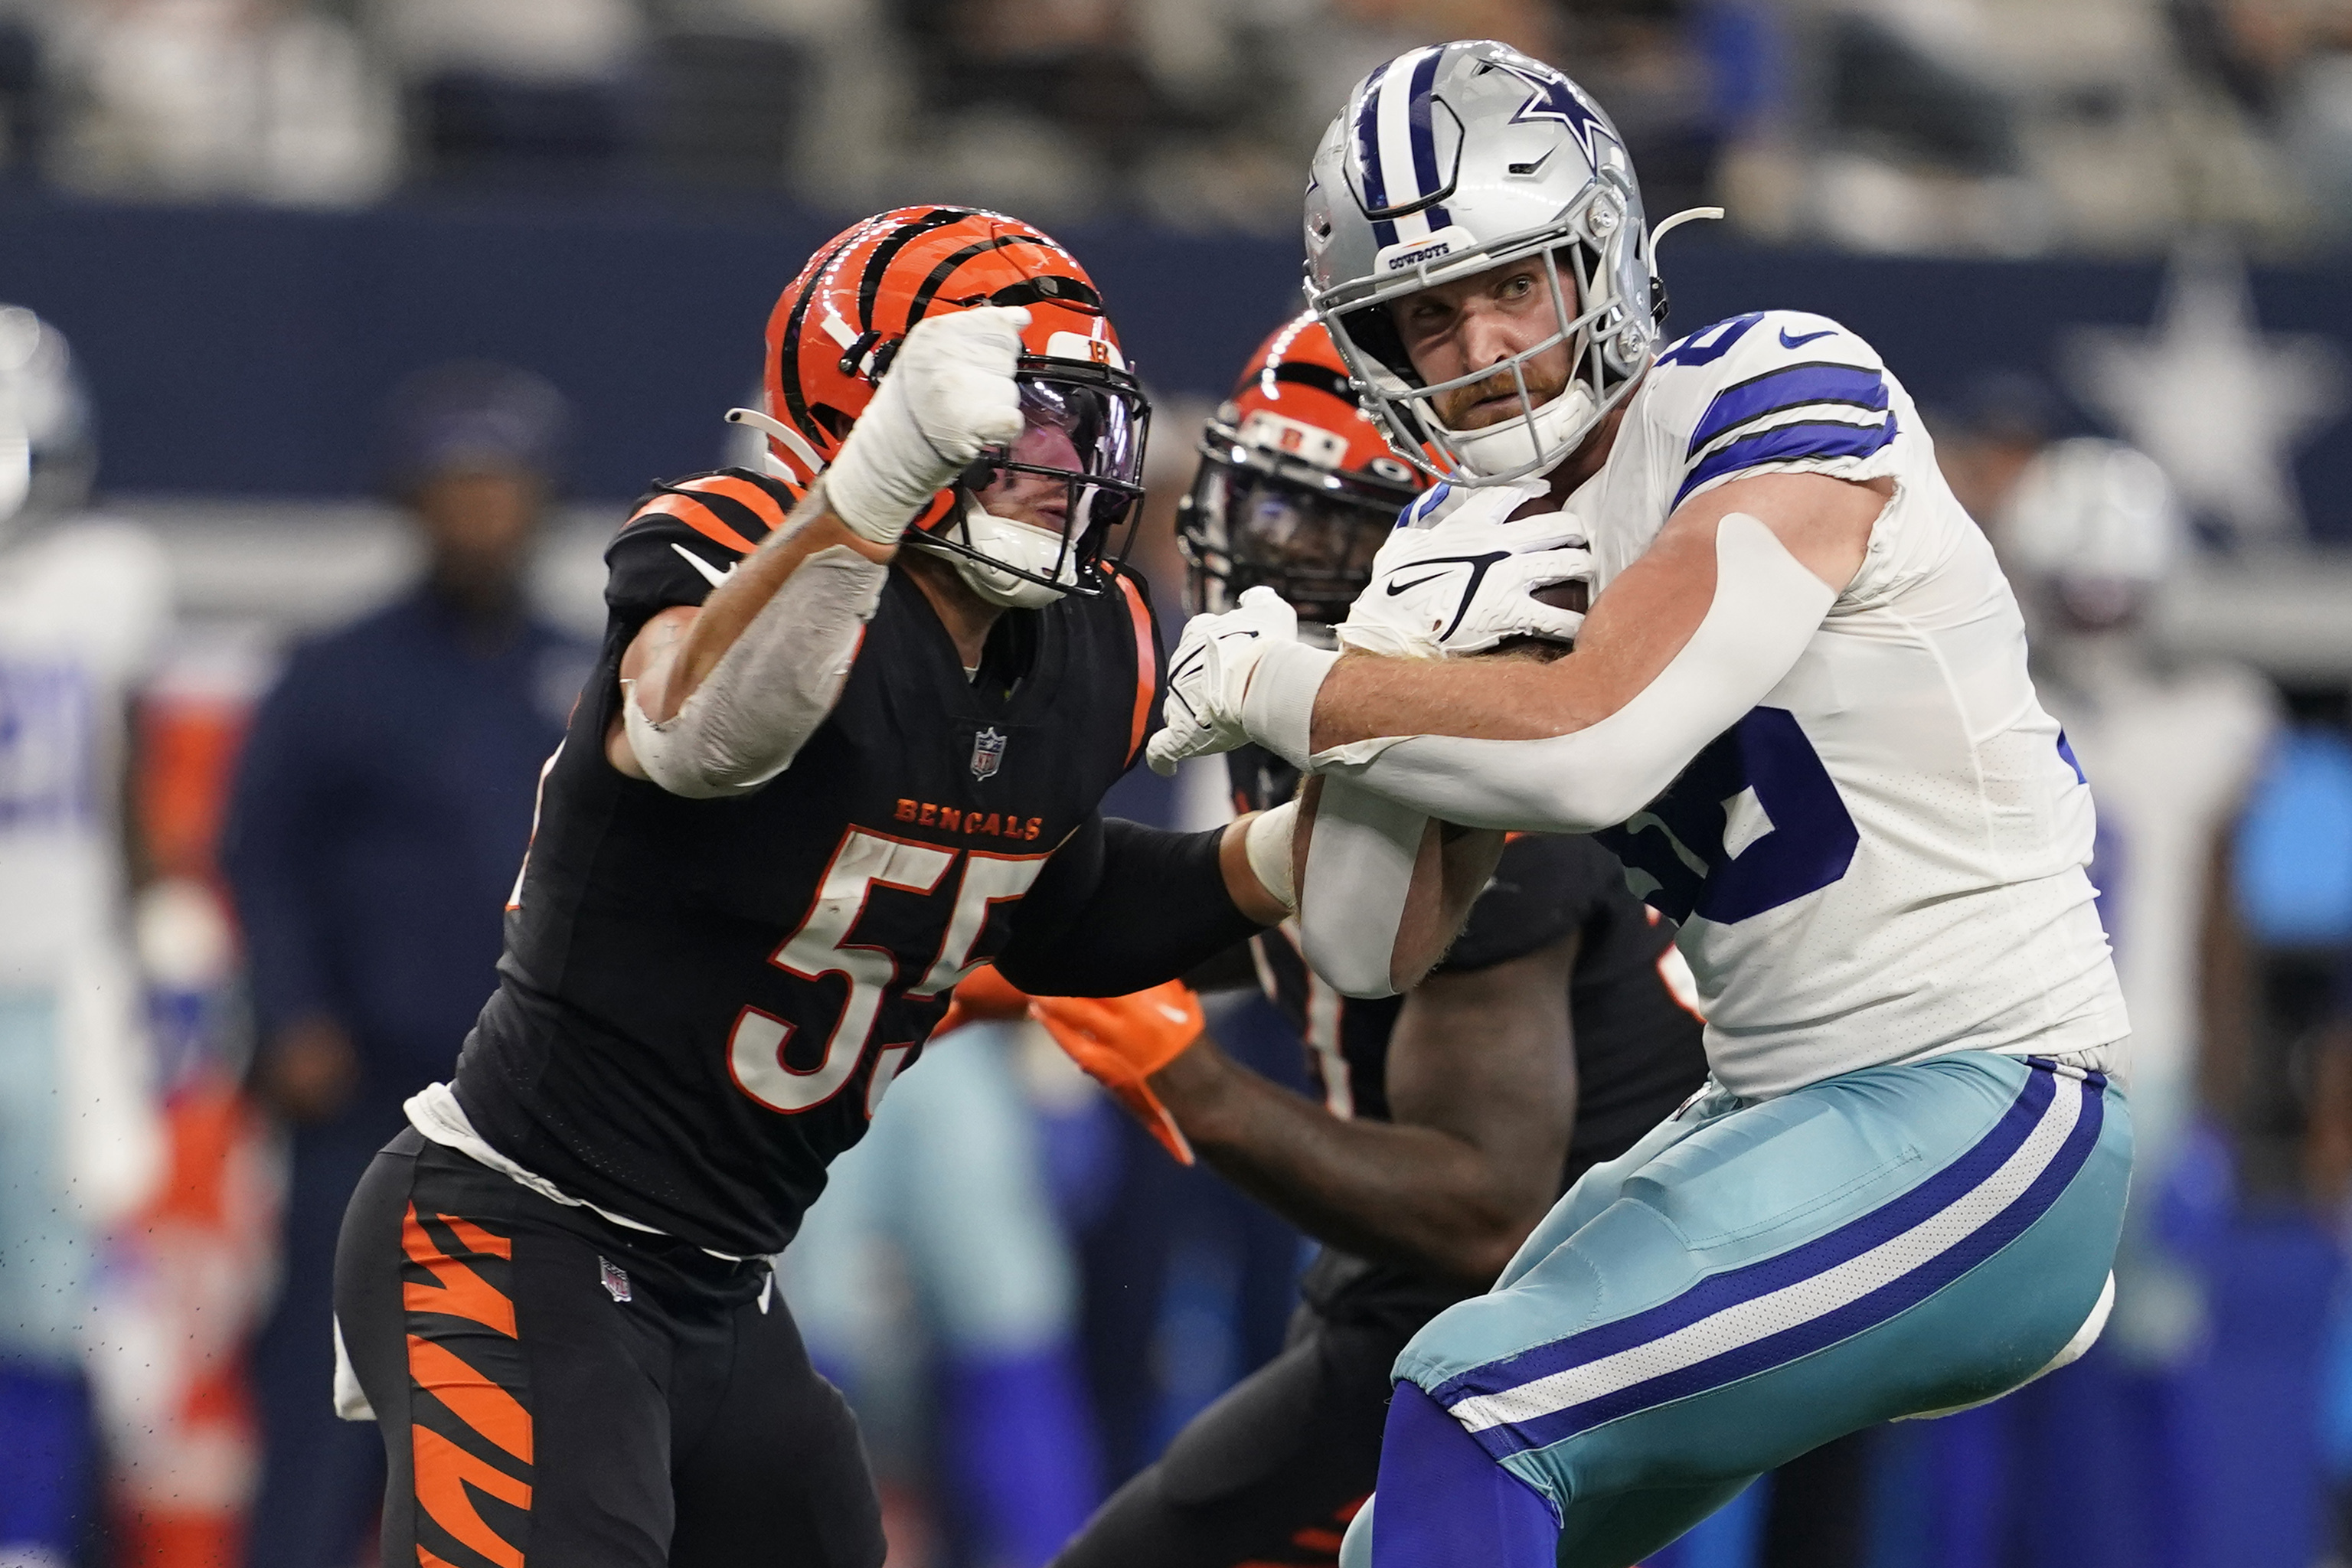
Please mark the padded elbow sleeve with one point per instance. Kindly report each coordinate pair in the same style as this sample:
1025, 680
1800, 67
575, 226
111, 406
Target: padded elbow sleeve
1360, 857
747, 719
1766, 608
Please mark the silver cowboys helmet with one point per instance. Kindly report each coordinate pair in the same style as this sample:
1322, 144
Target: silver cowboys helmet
49, 454
1453, 159
2095, 524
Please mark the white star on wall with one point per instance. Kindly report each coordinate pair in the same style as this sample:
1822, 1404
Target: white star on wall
2221, 404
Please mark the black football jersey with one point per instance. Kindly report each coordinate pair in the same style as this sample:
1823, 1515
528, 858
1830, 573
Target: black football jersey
1638, 1046
701, 1002
1639, 1051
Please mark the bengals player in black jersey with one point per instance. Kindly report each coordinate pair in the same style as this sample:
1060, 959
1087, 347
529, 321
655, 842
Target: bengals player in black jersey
852, 721
1553, 1036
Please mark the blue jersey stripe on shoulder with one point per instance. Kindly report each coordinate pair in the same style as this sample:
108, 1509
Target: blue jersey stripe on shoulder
1428, 502
1789, 444
1790, 386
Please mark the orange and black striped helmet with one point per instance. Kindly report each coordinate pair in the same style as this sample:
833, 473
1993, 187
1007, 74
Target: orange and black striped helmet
1298, 486
837, 326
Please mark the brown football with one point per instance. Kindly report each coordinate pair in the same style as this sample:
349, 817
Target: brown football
1574, 596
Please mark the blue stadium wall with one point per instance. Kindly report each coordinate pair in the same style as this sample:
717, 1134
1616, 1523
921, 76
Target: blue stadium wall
243, 351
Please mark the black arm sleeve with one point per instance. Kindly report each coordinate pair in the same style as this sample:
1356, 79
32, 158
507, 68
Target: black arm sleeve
1121, 907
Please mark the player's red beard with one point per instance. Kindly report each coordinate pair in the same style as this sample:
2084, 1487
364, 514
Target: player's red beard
1547, 378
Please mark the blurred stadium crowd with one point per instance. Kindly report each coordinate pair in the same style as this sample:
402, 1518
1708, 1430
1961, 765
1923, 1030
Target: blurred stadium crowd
1999, 127
277, 856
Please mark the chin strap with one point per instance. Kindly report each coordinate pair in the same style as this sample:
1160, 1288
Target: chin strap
1005, 562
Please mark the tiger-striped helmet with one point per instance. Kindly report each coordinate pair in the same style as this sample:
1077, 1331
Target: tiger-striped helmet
837, 326
1297, 488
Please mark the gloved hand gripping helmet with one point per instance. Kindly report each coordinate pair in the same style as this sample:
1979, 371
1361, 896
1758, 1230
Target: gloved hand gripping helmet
1446, 162
833, 335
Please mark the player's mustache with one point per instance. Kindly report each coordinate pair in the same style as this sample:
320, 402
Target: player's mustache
1541, 389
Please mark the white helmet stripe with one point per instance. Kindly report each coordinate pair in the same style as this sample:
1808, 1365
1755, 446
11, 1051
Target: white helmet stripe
1400, 174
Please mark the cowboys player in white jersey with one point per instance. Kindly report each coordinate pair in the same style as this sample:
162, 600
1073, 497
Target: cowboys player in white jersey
1798, 710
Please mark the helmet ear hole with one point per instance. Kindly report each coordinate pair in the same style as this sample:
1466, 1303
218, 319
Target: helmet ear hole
1375, 332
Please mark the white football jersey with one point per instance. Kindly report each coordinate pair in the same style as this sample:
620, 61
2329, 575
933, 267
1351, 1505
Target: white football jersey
81, 608
1884, 860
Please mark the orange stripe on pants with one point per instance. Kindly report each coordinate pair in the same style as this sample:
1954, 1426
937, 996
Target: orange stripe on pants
456, 1289
471, 1397
447, 1477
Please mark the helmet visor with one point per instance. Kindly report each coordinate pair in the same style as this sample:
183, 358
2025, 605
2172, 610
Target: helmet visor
1309, 536
1078, 465
1076, 469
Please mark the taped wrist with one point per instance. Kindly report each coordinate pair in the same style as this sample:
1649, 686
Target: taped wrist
1766, 609
1278, 709
1268, 842
747, 719
886, 475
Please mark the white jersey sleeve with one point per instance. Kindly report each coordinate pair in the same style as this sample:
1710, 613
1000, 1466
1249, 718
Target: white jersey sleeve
1884, 860
1777, 391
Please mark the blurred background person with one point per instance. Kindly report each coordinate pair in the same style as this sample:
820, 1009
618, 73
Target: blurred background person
2090, 533
380, 812
937, 1264
83, 603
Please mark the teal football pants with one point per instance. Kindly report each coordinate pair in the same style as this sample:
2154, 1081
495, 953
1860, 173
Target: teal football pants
1755, 1278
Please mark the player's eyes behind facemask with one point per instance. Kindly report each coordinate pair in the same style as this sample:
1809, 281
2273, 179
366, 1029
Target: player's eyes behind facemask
1087, 438
1313, 546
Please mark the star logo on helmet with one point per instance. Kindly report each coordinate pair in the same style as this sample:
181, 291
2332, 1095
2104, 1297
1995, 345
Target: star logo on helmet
1553, 96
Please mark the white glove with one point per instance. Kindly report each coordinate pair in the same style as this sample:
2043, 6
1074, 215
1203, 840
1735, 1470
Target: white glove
1467, 586
1210, 673
948, 397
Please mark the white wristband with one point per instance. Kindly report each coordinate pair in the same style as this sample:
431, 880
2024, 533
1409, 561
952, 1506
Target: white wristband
1278, 711
1267, 841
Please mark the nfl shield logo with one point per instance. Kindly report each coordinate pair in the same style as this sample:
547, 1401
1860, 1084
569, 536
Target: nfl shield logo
987, 753
616, 1280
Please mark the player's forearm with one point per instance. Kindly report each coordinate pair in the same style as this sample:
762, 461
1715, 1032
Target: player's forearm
798, 606
1367, 695
1409, 1196
1385, 888
1766, 607
1136, 907
749, 589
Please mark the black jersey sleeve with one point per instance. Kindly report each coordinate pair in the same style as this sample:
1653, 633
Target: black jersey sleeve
685, 537
1545, 886
1150, 661
1121, 907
